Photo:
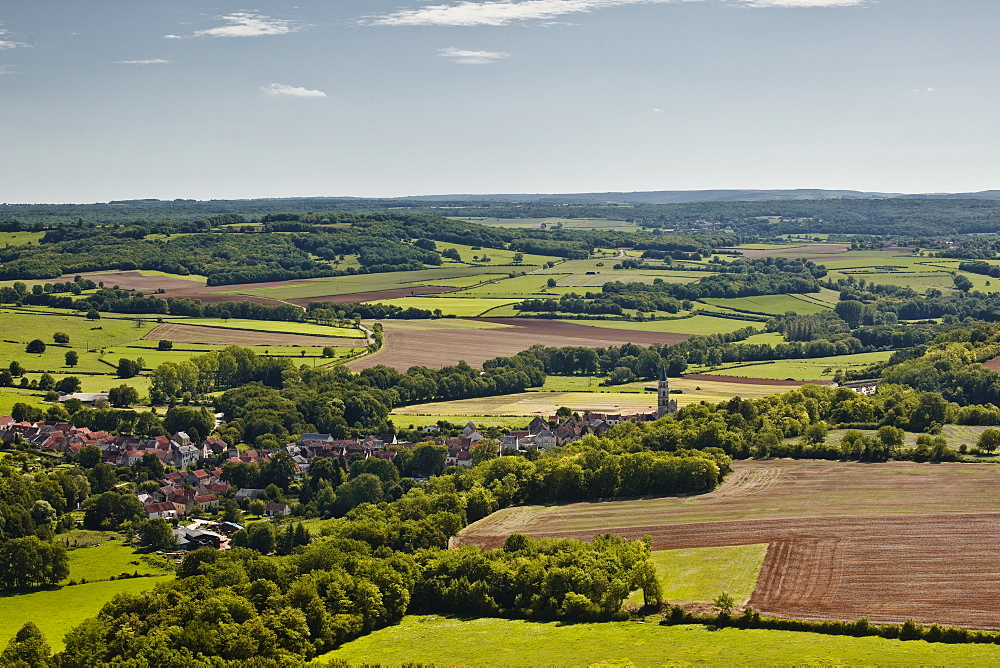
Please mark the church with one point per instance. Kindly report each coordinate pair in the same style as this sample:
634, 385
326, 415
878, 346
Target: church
664, 404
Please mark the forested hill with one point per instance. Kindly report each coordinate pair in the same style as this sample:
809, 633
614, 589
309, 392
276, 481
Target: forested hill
758, 212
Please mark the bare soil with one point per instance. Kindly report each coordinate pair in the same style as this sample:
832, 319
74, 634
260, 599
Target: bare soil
436, 348
238, 337
993, 364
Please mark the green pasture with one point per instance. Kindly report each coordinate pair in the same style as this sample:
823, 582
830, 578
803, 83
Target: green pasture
104, 560
698, 324
497, 256
467, 307
770, 338
310, 328
56, 611
15, 395
520, 287
702, 573
446, 641
817, 368
20, 238
771, 304
342, 285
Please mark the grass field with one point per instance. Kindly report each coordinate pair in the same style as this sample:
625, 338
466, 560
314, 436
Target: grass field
699, 324
495, 642
404, 420
497, 256
815, 369
699, 574
110, 558
468, 307
275, 326
567, 223
19, 238
772, 304
56, 611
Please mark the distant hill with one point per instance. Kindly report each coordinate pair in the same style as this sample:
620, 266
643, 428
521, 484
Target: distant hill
692, 196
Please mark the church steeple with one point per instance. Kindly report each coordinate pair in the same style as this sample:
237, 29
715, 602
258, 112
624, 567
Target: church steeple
664, 404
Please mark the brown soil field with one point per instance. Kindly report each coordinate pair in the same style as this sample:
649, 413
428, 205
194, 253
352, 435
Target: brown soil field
444, 345
133, 280
993, 364
739, 380
238, 337
376, 295
884, 541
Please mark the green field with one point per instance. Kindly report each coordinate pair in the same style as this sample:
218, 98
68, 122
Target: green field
496, 256
567, 223
56, 611
342, 285
404, 420
771, 304
19, 238
702, 573
497, 642
110, 558
463, 307
276, 326
815, 369
698, 324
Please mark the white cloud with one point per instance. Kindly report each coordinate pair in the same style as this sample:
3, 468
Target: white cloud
466, 57
803, 3
149, 61
247, 24
294, 91
505, 12
7, 41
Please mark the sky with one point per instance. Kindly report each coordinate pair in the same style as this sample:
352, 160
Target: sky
120, 99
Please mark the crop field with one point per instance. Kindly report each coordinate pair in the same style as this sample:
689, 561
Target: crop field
772, 304
519, 287
496, 256
56, 611
403, 420
887, 541
467, 307
567, 223
629, 400
442, 342
433, 640
309, 328
698, 324
814, 369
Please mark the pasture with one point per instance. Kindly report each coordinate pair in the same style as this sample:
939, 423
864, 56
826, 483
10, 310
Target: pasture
433, 640
772, 304
695, 325
308, 328
812, 369
699, 574
56, 611
466, 307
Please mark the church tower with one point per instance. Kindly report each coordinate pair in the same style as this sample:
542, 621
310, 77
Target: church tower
664, 404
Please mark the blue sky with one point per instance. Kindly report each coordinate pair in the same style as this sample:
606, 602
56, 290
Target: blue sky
132, 98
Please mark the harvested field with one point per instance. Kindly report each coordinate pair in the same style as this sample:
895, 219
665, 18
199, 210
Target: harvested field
825, 249
377, 295
238, 337
446, 344
885, 541
133, 280
753, 381
993, 364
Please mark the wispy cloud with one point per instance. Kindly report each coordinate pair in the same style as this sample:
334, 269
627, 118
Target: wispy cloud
7, 41
505, 12
148, 61
247, 24
294, 91
466, 57
803, 3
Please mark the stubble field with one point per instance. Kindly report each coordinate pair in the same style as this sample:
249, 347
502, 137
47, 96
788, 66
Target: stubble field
886, 541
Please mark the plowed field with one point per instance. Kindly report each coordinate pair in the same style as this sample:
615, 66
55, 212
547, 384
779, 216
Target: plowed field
445, 344
884, 541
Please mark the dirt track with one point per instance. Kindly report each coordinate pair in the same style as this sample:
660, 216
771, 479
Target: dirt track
445, 345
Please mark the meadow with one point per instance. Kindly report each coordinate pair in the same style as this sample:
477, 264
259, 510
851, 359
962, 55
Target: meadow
699, 574
490, 642
467, 307
813, 369
56, 611
772, 304
697, 324
310, 328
